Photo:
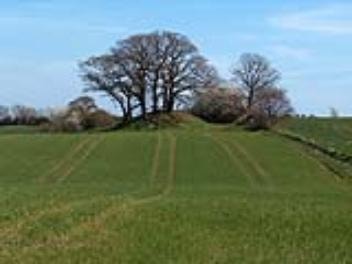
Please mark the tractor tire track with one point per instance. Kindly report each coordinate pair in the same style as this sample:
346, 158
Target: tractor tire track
12, 232
156, 159
123, 208
52, 174
95, 224
77, 162
80, 235
235, 160
172, 166
170, 180
263, 175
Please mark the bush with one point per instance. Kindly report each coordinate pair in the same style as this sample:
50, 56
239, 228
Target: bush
219, 105
101, 119
82, 114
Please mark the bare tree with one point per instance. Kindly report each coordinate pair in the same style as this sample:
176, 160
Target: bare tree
105, 74
254, 73
149, 72
270, 105
274, 103
132, 57
184, 71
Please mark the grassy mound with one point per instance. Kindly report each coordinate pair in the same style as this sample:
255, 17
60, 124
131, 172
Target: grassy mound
164, 121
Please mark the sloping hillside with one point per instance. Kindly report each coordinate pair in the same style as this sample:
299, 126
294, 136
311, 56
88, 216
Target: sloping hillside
195, 195
329, 132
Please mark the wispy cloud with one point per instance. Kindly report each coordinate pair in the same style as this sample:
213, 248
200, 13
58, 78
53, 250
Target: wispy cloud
334, 19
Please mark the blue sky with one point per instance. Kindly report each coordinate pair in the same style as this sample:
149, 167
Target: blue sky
309, 41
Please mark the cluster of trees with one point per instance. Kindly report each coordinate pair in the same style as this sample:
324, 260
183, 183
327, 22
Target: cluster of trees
149, 73
253, 97
159, 72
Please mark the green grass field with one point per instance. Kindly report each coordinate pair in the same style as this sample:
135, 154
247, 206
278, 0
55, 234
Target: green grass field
329, 132
197, 195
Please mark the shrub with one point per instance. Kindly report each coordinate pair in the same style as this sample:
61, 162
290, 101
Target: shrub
81, 114
219, 105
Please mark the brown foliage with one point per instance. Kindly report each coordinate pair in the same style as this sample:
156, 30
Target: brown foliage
219, 105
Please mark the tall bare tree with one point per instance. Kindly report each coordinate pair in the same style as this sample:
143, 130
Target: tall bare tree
184, 70
254, 73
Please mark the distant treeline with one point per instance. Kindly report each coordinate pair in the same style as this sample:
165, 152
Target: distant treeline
80, 114
23, 115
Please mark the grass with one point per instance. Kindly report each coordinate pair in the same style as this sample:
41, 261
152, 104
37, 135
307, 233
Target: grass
329, 132
18, 130
200, 194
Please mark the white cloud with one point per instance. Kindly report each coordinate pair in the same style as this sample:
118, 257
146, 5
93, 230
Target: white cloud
334, 19
284, 51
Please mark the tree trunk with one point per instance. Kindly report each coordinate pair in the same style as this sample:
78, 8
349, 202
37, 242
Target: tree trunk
250, 99
123, 107
171, 99
165, 100
124, 114
155, 101
143, 109
129, 109
170, 104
